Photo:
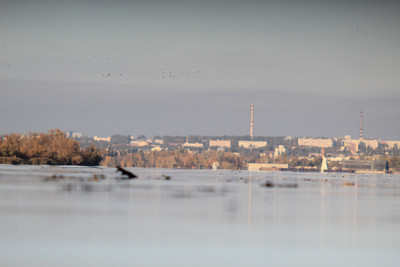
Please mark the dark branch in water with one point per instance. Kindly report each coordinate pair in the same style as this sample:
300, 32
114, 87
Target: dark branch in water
125, 172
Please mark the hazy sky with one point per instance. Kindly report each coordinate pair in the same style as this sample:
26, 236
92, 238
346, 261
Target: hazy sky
194, 67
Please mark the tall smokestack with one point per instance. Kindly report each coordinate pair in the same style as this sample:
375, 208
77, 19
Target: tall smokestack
361, 124
251, 120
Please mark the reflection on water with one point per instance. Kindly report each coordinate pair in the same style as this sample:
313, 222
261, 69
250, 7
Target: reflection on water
196, 218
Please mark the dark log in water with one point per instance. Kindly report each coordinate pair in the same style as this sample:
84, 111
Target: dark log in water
125, 172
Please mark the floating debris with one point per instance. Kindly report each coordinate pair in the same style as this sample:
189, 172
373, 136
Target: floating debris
54, 177
68, 187
289, 185
207, 189
125, 172
315, 180
166, 177
99, 177
286, 185
267, 184
86, 187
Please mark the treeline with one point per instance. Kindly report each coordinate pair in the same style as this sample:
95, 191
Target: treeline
205, 160
225, 160
177, 159
53, 148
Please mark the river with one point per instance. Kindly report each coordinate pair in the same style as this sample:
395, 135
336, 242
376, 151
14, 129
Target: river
83, 216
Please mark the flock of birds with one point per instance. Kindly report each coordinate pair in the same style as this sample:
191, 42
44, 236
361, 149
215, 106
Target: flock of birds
106, 75
171, 75
109, 74
164, 73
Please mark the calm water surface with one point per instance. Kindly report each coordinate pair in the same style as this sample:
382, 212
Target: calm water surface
197, 218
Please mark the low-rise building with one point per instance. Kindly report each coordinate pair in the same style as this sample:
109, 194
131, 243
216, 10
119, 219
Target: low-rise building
220, 143
178, 144
193, 145
392, 144
351, 145
252, 144
344, 137
159, 141
71, 134
373, 143
139, 143
374, 166
279, 150
267, 167
156, 148
336, 158
104, 139
77, 135
315, 142
354, 145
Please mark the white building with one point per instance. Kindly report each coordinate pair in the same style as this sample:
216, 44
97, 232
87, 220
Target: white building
371, 143
252, 144
392, 144
315, 142
195, 145
77, 135
139, 143
354, 145
267, 166
280, 150
104, 139
220, 143
158, 141
351, 145
156, 148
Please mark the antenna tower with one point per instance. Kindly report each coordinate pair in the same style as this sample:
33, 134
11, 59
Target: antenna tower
361, 124
251, 120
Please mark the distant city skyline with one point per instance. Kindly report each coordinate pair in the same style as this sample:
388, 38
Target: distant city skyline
194, 67
275, 114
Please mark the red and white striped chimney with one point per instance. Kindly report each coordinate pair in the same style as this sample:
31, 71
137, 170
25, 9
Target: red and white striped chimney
251, 121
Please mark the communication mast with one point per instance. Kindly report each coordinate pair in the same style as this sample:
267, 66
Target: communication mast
361, 124
251, 121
